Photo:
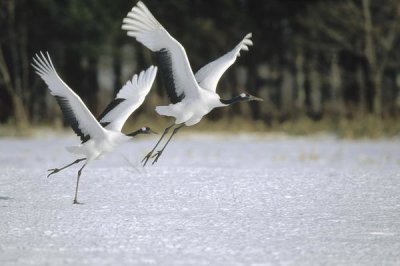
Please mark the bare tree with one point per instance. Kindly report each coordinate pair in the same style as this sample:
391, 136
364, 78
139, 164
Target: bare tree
336, 86
15, 70
366, 29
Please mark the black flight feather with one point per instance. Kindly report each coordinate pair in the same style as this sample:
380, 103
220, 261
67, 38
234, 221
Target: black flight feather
109, 107
70, 117
166, 72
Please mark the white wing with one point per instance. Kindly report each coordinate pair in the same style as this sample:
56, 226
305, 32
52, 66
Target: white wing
174, 64
74, 110
209, 75
128, 99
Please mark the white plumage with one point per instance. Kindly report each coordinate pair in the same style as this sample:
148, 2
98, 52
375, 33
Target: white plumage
133, 93
142, 25
192, 96
96, 139
209, 75
84, 124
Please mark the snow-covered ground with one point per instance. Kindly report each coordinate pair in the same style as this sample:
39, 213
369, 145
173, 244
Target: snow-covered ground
210, 200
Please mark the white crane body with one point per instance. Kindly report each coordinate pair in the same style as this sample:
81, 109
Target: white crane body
192, 95
98, 136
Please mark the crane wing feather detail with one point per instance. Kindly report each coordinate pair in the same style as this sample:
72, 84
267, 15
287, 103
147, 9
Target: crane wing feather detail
174, 64
74, 110
164, 61
128, 99
209, 75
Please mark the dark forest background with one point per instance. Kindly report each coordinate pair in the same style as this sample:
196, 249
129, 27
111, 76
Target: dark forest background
314, 62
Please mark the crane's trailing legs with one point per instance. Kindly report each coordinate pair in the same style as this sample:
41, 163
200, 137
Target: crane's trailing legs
147, 157
158, 154
77, 185
56, 170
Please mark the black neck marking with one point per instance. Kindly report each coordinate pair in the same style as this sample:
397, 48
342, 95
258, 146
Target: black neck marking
167, 75
232, 101
134, 133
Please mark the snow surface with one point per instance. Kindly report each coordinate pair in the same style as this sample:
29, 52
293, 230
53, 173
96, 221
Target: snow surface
210, 200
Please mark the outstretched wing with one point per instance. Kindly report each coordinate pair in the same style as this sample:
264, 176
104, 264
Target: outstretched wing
74, 110
128, 99
209, 75
174, 65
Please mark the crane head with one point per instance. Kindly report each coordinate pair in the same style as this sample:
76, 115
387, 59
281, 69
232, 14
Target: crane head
143, 130
244, 96
147, 130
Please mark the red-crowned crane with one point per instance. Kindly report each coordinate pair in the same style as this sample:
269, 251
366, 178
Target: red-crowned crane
192, 96
98, 136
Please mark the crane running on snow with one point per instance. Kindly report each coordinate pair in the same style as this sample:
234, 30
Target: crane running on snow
98, 136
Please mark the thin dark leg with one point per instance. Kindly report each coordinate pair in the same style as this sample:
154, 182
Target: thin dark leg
77, 185
56, 170
147, 157
158, 154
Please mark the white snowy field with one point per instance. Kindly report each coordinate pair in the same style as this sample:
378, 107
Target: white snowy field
210, 200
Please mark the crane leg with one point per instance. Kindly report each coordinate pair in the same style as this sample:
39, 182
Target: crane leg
56, 170
147, 157
77, 185
158, 154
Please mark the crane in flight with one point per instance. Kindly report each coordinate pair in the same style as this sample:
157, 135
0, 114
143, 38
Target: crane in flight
100, 136
192, 96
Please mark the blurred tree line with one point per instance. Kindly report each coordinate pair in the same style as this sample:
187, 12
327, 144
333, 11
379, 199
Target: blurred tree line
334, 59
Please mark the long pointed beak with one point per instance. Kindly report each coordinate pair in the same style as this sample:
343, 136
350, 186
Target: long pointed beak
253, 98
153, 132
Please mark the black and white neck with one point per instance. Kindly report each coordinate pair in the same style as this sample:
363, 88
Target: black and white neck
239, 98
137, 132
